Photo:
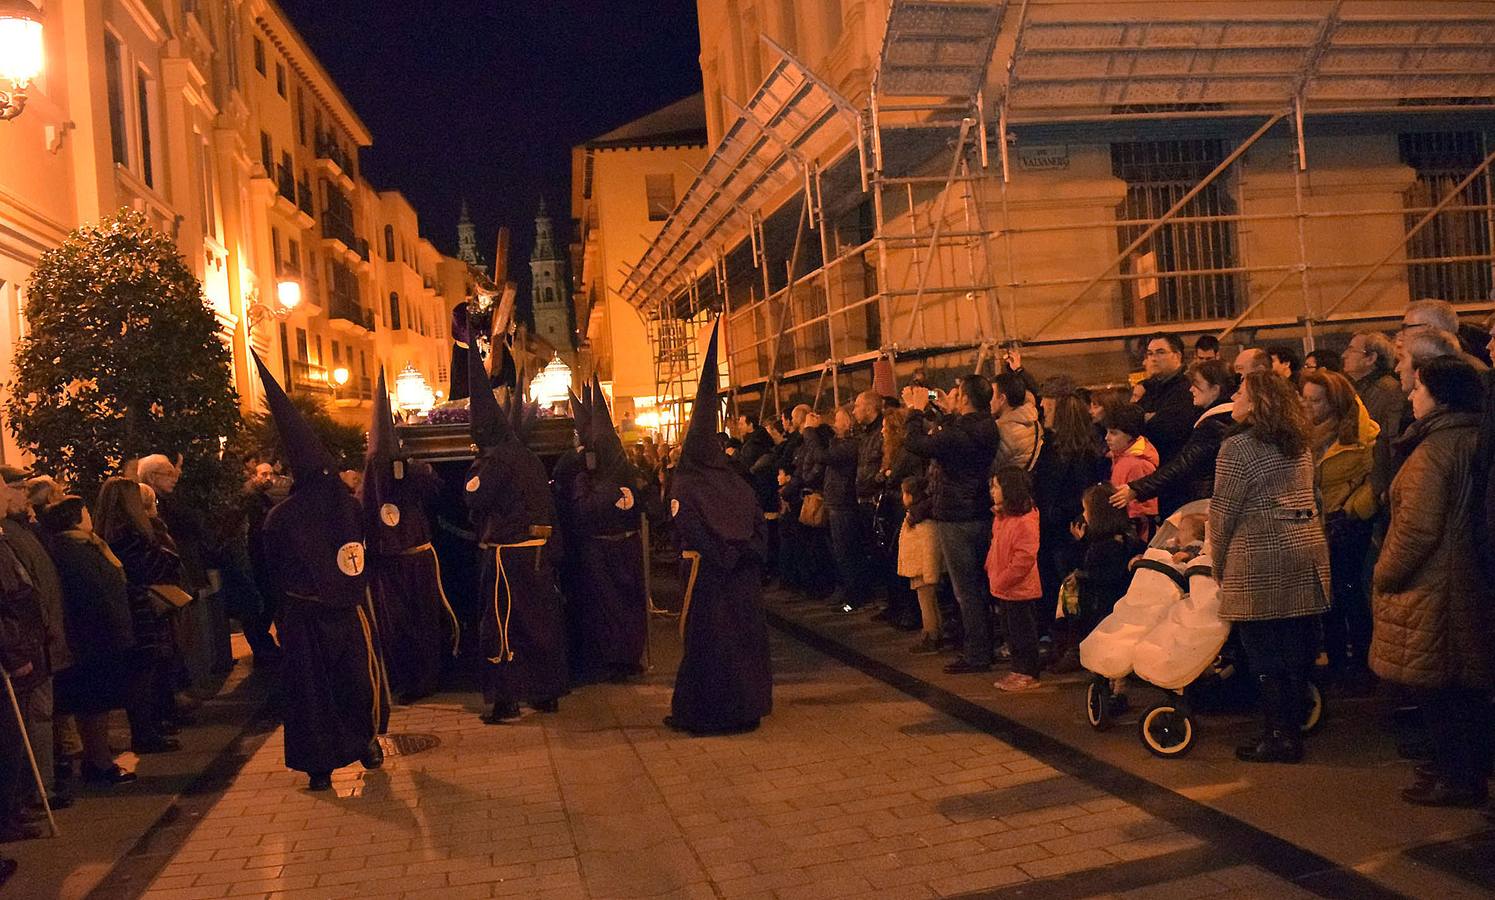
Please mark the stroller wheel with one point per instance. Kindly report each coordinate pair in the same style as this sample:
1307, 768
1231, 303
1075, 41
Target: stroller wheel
1166, 730
1318, 709
1098, 704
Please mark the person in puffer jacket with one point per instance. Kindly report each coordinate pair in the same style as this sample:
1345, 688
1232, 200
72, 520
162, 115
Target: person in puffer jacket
1132, 457
1017, 423
1434, 614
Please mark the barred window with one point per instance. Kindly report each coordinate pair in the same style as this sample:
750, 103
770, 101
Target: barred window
1449, 258
1158, 174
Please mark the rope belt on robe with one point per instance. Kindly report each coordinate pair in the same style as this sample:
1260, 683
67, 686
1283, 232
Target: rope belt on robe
626, 535
378, 681
694, 558
501, 578
441, 589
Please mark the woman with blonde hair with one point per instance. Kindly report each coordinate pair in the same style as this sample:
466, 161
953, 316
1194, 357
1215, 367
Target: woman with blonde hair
1343, 444
153, 572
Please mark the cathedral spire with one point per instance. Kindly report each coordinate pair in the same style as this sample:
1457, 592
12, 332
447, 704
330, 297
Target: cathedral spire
467, 239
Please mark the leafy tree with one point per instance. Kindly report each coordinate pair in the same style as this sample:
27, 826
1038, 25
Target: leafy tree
123, 358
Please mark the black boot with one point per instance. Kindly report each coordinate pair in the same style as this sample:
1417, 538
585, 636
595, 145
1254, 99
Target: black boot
502, 712
320, 781
1281, 740
373, 757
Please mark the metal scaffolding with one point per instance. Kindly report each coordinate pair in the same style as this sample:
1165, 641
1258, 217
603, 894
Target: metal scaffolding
829, 234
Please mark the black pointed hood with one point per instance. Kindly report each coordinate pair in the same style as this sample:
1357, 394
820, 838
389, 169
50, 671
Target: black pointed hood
303, 450
579, 416
318, 527
393, 486
383, 444
705, 481
702, 447
602, 439
486, 421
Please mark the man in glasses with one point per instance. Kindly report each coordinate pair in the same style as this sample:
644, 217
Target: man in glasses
1165, 395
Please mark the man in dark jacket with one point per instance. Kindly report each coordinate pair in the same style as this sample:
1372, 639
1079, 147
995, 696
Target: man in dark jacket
47, 587
1369, 362
23, 641
961, 450
1165, 396
839, 445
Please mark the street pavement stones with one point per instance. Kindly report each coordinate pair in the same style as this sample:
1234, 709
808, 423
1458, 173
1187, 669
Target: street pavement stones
850, 789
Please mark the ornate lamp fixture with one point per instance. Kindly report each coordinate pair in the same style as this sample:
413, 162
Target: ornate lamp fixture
287, 298
21, 54
412, 392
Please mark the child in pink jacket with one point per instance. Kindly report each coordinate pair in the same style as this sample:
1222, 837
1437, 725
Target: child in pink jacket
1012, 572
1132, 456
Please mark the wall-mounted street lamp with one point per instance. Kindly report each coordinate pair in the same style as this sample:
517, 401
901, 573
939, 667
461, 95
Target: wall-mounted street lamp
21, 54
340, 375
287, 298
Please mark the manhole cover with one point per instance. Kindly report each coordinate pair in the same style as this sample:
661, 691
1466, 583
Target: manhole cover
408, 744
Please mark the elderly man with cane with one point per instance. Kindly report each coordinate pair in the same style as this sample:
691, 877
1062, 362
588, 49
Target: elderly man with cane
23, 665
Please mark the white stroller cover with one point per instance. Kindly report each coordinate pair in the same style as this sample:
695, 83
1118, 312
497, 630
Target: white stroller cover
1190, 636
1157, 585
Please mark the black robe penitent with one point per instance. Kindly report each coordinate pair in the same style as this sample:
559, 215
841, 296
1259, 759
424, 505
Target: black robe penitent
725, 679
606, 599
332, 681
417, 627
522, 632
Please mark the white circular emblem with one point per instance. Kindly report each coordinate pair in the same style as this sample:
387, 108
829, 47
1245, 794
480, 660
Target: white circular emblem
674, 507
625, 502
389, 514
350, 559
473, 483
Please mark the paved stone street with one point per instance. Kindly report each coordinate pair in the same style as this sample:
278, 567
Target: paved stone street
854, 787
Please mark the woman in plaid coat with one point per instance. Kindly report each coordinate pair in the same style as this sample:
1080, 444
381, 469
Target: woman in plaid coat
1268, 552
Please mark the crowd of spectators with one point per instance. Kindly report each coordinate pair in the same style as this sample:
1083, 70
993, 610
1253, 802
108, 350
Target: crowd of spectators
997, 519
105, 608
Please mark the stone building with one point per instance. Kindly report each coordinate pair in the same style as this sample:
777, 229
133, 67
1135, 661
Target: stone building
937, 179
217, 122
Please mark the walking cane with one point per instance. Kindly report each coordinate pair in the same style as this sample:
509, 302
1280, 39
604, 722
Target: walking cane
41, 787
643, 532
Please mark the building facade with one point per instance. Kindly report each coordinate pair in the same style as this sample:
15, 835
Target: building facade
216, 121
624, 185
933, 179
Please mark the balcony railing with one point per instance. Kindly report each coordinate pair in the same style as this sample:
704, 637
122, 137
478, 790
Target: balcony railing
307, 377
305, 200
355, 390
350, 311
285, 183
329, 149
338, 224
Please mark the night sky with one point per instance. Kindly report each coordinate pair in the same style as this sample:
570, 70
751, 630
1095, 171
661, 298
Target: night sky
485, 98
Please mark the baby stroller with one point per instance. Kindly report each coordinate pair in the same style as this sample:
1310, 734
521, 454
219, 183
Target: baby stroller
1167, 632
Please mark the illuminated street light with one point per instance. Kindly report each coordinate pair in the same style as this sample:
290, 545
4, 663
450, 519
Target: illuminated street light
21, 53
288, 293
341, 375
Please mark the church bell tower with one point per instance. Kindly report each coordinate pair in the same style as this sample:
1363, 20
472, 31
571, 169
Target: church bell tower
550, 292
